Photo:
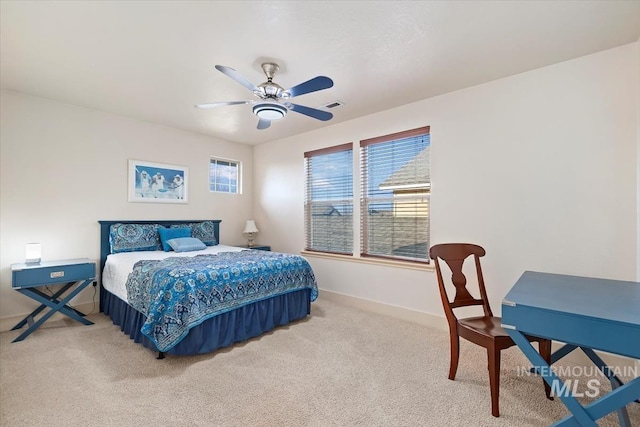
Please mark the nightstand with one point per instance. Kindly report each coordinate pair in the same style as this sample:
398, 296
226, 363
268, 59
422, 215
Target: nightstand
73, 273
259, 247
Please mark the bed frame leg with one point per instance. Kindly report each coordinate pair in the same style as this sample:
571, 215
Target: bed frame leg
160, 355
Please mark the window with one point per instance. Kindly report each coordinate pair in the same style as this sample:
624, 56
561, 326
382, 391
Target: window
224, 176
328, 203
394, 197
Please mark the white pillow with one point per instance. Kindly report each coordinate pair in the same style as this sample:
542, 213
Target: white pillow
186, 244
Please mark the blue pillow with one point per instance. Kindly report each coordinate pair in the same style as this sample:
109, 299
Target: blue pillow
172, 233
186, 244
133, 237
205, 231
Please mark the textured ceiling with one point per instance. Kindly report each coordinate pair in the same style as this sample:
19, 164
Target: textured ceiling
153, 60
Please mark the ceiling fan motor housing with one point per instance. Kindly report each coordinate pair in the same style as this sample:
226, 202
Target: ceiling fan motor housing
271, 90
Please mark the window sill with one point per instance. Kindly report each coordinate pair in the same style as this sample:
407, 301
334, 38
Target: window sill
374, 261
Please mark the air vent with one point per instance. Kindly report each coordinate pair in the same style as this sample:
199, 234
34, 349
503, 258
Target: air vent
334, 104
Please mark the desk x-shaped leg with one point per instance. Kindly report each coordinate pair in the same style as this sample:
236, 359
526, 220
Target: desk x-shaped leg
621, 394
623, 415
56, 305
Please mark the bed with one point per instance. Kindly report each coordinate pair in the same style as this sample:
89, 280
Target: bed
186, 303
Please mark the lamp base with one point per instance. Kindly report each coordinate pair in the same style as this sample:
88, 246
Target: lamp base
250, 243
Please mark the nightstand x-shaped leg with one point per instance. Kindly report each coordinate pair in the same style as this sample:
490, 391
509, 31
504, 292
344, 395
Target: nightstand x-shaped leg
56, 305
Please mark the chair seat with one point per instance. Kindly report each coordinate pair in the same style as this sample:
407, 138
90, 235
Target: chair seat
485, 325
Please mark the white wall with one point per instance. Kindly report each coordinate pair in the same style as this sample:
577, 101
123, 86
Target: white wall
539, 168
638, 161
63, 168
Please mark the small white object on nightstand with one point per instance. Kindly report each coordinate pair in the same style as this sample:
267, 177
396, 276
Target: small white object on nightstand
33, 253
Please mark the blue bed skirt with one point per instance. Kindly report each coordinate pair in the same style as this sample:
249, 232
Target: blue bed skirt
220, 331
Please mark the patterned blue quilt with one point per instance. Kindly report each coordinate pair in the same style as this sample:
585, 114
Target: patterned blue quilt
178, 293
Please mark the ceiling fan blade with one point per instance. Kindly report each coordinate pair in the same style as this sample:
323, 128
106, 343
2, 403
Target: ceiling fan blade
313, 85
218, 104
311, 112
237, 77
263, 124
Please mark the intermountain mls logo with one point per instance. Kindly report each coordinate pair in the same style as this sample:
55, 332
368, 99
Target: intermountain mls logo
577, 381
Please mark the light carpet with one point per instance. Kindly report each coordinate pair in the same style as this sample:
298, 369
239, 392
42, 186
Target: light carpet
338, 367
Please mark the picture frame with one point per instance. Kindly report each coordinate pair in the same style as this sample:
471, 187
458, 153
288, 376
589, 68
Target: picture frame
157, 182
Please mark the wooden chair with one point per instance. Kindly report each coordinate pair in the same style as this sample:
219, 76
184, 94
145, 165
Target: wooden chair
485, 330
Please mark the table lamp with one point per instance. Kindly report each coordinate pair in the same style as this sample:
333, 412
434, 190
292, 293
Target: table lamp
250, 229
33, 253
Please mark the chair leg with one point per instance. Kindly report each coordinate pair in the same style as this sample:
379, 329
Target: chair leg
494, 380
544, 348
455, 354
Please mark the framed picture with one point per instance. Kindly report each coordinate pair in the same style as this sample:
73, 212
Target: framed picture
158, 183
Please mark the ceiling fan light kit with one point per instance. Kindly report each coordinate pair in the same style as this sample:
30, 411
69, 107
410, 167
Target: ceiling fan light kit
269, 111
270, 93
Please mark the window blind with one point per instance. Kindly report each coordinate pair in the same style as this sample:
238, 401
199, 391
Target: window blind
328, 204
394, 197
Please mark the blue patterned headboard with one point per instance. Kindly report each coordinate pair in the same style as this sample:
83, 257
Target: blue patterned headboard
105, 227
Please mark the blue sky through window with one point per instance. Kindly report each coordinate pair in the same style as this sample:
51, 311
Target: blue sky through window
333, 173
223, 176
332, 176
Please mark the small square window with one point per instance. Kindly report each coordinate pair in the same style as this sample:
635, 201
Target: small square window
224, 176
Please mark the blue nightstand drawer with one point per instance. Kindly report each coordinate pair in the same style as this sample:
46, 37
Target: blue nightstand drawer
46, 273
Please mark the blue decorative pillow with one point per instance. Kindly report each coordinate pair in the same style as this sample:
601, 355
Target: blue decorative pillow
172, 233
134, 237
205, 231
186, 244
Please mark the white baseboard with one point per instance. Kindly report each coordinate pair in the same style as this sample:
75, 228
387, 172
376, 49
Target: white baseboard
575, 358
6, 323
425, 319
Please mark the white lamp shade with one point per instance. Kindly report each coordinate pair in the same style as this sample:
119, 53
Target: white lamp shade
250, 227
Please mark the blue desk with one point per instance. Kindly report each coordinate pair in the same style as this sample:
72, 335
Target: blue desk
587, 313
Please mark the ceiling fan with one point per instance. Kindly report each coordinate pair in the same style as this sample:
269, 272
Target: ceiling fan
270, 94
